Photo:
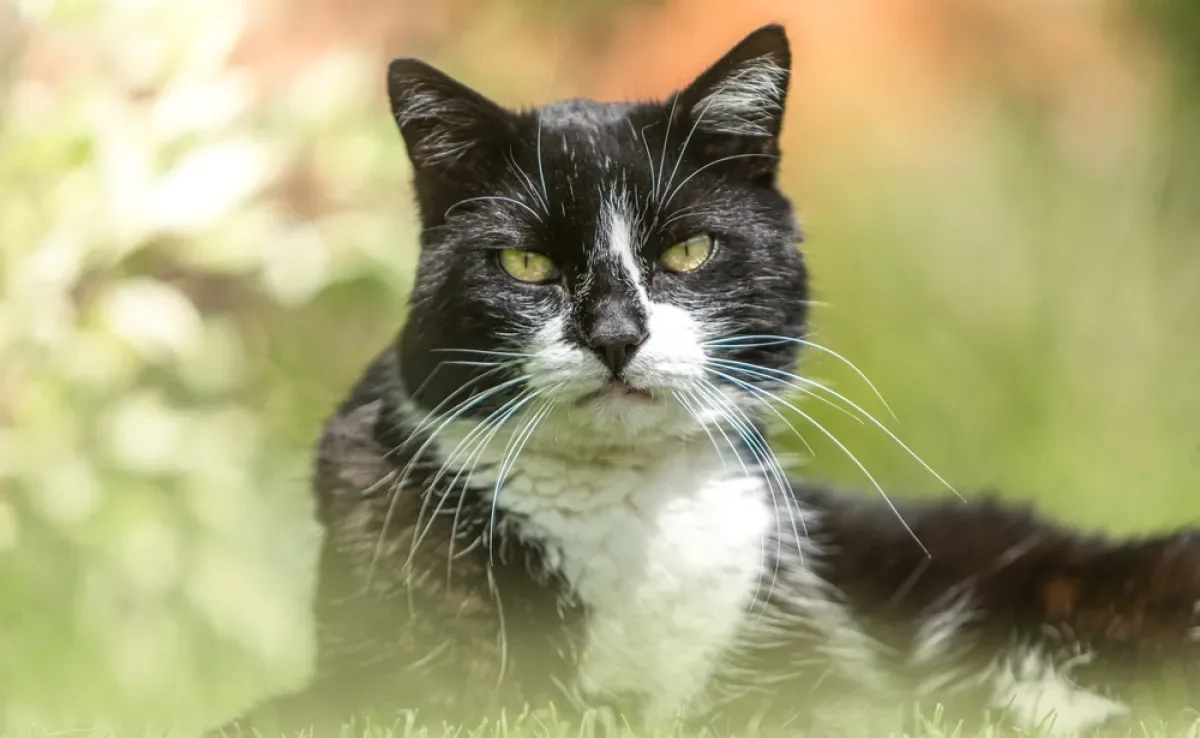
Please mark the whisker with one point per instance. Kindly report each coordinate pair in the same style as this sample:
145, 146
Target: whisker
682, 213
762, 452
713, 163
662, 162
502, 413
437, 408
519, 440
455, 412
478, 443
745, 427
757, 442
757, 391
687, 140
757, 372
500, 198
683, 148
500, 416
496, 364
776, 340
784, 419
699, 395
482, 352
541, 169
682, 400
765, 373
469, 467
680, 397
649, 156
526, 181
397, 487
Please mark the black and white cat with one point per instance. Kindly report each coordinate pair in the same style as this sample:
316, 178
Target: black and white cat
554, 488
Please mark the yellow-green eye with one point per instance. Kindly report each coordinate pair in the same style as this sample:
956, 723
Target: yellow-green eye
528, 266
687, 256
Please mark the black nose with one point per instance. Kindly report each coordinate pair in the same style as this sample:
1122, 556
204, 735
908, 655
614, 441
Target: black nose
615, 338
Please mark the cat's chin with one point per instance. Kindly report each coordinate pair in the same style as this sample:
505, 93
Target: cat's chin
618, 393
621, 413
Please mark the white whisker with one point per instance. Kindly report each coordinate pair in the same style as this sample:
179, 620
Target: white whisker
759, 372
662, 162
759, 392
517, 442
769, 340
397, 488
800, 383
498, 198
713, 164
541, 169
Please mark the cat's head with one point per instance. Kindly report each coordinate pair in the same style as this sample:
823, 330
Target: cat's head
610, 263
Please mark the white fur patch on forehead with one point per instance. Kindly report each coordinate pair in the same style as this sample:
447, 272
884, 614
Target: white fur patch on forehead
746, 103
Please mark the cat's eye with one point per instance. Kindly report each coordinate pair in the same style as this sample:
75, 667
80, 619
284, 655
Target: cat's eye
687, 256
528, 266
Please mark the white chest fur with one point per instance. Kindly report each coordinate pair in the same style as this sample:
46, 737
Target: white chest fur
664, 550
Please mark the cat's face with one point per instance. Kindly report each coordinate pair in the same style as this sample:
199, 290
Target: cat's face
604, 262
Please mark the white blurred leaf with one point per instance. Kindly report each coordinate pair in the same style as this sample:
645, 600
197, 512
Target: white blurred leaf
208, 184
296, 265
147, 436
157, 320
68, 492
194, 106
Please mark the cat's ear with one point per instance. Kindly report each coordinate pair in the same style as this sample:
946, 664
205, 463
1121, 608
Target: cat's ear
743, 93
447, 127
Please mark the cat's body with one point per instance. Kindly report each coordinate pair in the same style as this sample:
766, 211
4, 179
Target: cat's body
554, 488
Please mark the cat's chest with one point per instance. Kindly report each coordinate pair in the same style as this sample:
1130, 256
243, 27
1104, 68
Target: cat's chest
666, 559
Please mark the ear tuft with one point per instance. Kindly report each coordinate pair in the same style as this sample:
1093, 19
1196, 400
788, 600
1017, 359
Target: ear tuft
444, 123
743, 94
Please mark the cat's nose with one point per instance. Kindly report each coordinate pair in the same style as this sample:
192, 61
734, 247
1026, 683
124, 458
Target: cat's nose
615, 339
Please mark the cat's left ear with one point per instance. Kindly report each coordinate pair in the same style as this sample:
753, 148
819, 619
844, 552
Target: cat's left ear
743, 94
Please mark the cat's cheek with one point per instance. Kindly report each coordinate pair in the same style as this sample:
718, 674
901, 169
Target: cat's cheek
556, 362
673, 355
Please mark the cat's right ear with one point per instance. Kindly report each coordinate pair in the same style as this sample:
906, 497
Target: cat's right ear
448, 128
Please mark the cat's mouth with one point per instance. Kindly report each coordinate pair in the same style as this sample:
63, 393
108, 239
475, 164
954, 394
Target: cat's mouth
615, 389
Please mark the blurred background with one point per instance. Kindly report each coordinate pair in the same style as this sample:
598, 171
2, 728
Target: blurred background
205, 233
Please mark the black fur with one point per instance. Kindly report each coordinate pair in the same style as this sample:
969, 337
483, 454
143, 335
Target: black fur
418, 569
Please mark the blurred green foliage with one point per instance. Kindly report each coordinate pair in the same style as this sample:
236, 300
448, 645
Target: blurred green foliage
171, 332
177, 316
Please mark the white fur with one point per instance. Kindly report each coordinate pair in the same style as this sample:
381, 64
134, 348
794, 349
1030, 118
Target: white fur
937, 636
746, 102
619, 240
664, 548
1038, 693
671, 359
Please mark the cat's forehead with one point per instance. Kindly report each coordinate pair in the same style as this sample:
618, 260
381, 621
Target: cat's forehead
580, 116
587, 134
586, 151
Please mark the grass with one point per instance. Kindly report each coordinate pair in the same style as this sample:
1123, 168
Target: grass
597, 723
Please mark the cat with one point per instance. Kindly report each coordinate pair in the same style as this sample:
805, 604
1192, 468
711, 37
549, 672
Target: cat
555, 487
